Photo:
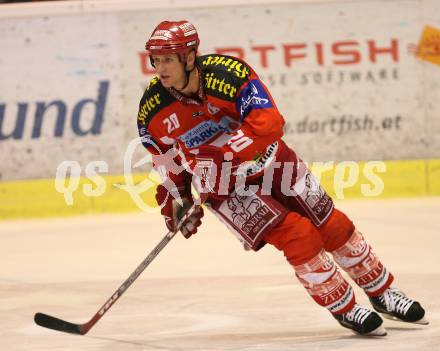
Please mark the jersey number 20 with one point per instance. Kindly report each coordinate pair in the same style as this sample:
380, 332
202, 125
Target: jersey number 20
172, 122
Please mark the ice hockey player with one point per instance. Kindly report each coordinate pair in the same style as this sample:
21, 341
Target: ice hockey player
210, 120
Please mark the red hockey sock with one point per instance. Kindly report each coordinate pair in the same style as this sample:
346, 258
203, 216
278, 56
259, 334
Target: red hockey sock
325, 284
363, 266
303, 247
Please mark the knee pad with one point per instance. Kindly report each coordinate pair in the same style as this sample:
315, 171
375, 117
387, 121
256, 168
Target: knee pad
336, 231
297, 237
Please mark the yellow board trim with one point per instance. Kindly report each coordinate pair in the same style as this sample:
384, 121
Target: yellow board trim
39, 198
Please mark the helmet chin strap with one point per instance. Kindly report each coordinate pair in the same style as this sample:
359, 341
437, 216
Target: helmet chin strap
187, 74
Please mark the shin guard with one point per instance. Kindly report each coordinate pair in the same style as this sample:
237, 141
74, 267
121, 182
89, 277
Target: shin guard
325, 284
364, 267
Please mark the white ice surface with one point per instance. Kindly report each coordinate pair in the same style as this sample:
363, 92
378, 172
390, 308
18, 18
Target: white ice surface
205, 293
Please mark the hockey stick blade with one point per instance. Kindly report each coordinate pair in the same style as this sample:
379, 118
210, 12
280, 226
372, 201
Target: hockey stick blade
54, 323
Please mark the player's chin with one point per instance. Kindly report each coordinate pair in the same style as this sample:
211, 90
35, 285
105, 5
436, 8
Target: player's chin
166, 82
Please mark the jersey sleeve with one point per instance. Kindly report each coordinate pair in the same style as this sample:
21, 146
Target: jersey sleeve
152, 102
150, 142
260, 118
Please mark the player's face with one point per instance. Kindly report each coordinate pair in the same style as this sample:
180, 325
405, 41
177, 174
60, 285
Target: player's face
170, 70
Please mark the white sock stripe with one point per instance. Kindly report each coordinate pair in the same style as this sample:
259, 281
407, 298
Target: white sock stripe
378, 283
351, 245
316, 278
317, 262
342, 302
348, 262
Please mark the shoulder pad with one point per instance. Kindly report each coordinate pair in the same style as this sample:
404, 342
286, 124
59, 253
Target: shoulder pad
223, 75
155, 98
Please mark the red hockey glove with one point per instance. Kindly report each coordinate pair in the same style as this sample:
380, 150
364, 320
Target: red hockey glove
169, 200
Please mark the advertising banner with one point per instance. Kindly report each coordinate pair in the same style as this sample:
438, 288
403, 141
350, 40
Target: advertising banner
354, 80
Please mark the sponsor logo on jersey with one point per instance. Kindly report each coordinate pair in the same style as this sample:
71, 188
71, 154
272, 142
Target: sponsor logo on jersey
197, 114
146, 137
150, 104
233, 65
152, 101
152, 83
220, 85
212, 109
263, 160
142, 131
205, 131
253, 96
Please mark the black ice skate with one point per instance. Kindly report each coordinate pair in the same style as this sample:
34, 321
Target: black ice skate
362, 321
395, 305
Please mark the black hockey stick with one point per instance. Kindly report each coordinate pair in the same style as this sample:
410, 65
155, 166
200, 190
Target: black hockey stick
50, 322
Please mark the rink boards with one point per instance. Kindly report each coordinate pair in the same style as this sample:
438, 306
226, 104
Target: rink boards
45, 198
358, 85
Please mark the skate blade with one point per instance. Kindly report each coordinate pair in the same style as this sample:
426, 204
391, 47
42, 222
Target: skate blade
379, 331
421, 321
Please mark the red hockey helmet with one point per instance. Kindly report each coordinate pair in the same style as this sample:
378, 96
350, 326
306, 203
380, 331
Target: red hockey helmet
173, 38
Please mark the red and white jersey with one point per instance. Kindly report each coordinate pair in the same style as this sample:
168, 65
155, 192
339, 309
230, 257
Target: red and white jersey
233, 110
